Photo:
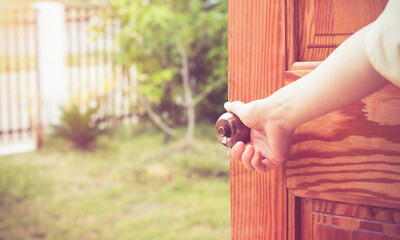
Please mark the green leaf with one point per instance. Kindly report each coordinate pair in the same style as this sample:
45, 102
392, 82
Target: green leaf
79, 125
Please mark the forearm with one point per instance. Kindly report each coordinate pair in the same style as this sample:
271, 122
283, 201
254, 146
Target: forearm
344, 77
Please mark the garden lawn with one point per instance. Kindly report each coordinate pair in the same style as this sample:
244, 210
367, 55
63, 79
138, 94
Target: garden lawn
131, 187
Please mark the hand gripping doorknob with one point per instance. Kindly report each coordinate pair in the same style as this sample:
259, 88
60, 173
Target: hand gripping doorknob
229, 130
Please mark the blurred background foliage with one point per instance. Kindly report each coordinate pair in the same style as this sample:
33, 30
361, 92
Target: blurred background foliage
150, 37
180, 51
134, 185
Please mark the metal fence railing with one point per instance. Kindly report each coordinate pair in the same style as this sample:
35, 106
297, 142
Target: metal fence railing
18, 76
92, 72
92, 69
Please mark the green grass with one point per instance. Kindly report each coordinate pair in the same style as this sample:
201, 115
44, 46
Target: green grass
132, 187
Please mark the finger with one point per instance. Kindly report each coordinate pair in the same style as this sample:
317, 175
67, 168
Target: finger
233, 106
247, 156
256, 162
228, 152
269, 165
237, 151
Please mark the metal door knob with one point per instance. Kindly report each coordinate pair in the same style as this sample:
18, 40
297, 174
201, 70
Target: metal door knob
229, 130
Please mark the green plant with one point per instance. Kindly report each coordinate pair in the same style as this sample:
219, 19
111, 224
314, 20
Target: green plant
179, 49
80, 126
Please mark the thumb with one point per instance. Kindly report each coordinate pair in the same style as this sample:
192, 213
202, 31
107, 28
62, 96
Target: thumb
233, 107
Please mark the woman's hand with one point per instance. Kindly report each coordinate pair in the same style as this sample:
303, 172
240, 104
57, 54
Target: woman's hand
270, 139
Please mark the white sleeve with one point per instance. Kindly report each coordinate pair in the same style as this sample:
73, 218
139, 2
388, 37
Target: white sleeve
383, 43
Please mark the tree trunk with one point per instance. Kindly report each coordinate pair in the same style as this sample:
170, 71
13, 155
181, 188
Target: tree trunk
189, 103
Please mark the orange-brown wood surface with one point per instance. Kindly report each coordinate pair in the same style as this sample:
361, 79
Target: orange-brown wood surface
256, 69
343, 178
325, 220
350, 157
325, 24
352, 154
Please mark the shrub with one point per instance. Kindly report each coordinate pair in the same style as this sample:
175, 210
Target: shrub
80, 126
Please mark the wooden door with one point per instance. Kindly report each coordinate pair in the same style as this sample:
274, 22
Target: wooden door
256, 31
343, 178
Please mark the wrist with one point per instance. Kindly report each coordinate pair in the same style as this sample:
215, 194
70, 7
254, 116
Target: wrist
283, 108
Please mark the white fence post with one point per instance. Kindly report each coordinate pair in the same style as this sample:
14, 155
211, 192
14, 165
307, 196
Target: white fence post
51, 60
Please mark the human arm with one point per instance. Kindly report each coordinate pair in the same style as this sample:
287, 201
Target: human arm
344, 77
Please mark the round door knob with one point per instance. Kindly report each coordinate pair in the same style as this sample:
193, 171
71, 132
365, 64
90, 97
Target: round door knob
229, 130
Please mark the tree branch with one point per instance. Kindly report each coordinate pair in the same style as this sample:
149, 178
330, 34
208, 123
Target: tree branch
207, 91
197, 48
157, 120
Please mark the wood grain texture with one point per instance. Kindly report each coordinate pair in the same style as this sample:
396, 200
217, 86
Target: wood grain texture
256, 69
344, 17
305, 220
292, 35
325, 24
352, 154
326, 220
293, 217
350, 157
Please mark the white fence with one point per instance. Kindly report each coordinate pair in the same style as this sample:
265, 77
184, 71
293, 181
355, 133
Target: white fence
49, 56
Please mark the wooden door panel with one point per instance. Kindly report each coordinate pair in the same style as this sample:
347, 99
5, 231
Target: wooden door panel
328, 232
326, 220
325, 24
343, 176
352, 153
344, 17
